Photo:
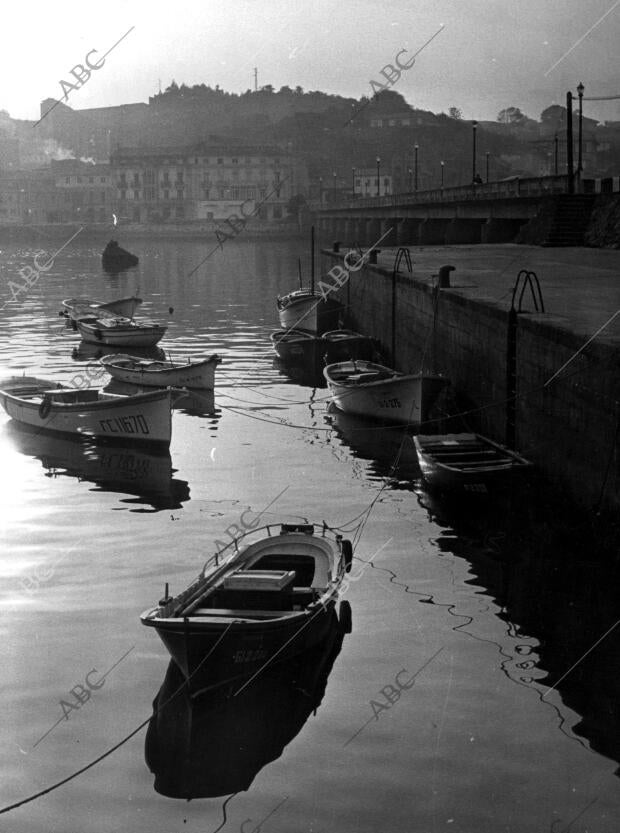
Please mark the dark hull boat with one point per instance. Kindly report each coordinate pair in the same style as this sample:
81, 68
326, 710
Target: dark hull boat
467, 462
297, 346
266, 602
116, 259
216, 745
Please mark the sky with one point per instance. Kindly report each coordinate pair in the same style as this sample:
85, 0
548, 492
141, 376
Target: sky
486, 54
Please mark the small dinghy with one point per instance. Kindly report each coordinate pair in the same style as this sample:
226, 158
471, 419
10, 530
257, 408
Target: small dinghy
466, 462
89, 412
120, 332
372, 390
77, 308
341, 345
253, 604
137, 371
116, 259
294, 345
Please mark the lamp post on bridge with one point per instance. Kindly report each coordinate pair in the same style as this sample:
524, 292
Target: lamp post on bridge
487, 159
474, 125
335, 193
378, 176
555, 154
410, 180
569, 143
353, 180
415, 166
442, 163
320, 190
580, 89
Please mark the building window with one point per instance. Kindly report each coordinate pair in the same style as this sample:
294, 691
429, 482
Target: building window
221, 193
123, 194
179, 193
102, 179
91, 179
136, 195
277, 212
67, 179
166, 194
79, 179
209, 215
235, 194
262, 193
235, 161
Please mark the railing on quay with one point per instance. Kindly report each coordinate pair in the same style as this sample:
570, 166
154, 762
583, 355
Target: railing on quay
512, 188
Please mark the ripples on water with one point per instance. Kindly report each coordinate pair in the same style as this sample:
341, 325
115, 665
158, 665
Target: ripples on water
493, 735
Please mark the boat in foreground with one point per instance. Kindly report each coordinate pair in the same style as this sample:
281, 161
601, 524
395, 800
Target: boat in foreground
120, 332
138, 371
373, 390
76, 308
253, 604
89, 412
466, 462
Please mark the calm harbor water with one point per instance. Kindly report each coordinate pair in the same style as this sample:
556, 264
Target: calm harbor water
502, 631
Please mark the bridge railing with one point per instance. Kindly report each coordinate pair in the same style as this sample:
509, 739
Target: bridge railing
512, 188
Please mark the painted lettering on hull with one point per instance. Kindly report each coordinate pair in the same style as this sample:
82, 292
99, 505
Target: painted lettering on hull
389, 403
249, 655
132, 424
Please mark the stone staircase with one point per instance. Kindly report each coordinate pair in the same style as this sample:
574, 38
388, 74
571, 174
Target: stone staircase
570, 220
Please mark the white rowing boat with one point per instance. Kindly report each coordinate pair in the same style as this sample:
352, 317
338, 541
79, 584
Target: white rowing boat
77, 308
89, 412
120, 332
304, 309
372, 390
137, 371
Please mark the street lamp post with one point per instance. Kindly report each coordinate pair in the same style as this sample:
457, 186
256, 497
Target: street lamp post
442, 163
320, 190
555, 154
410, 179
569, 143
353, 180
415, 166
580, 89
487, 159
335, 196
378, 175
474, 125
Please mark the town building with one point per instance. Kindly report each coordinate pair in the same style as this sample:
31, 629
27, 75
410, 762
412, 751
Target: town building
365, 183
211, 180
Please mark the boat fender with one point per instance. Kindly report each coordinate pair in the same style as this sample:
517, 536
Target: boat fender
347, 551
45, 407
98, 334
345, 620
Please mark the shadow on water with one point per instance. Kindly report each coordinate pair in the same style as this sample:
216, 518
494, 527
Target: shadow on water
113, 468
554, 580
553, 575
216, 745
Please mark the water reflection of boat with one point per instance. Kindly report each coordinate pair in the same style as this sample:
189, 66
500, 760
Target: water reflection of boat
87, 352
186, 400
308, 373
388, 446
123, 469
217, 745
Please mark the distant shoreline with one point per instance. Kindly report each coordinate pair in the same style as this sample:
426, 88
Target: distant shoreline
177, 231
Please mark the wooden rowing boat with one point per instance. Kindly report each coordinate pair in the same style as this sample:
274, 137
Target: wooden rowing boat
77, 308
120, 332
305, 309
266, 602
89, 412
376, 391
138, 371
466, 462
